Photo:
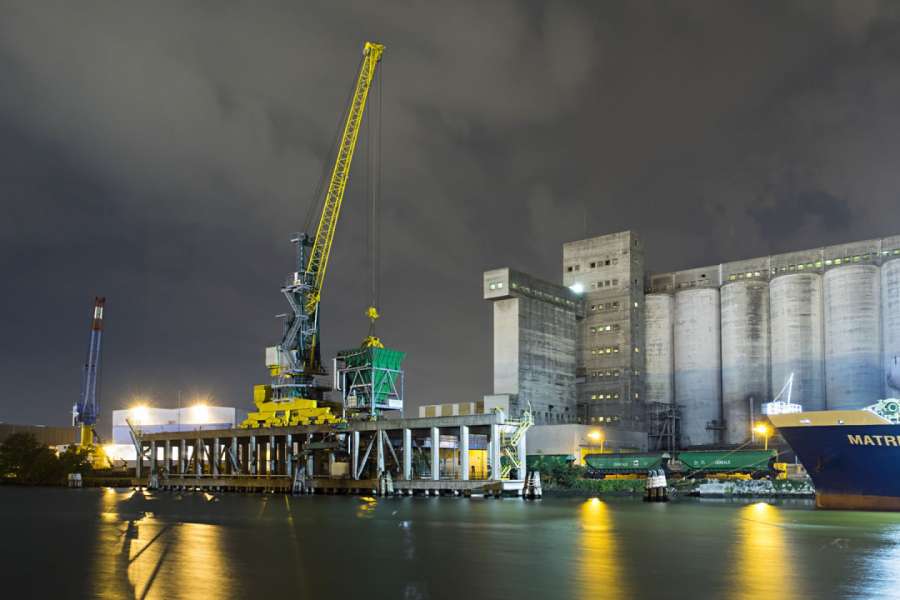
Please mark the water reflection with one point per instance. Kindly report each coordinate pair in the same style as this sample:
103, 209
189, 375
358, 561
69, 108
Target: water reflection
763, 567
600, 573
877, 579
137, 556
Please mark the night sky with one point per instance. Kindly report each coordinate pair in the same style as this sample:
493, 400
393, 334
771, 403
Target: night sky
162, 154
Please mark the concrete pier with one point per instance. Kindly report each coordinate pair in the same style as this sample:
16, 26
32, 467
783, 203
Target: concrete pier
339, 458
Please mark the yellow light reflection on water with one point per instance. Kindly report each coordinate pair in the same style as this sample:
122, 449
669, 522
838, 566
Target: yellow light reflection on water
139, 556
600, 573
763, 566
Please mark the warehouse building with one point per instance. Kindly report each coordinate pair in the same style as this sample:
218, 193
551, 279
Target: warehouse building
719, 341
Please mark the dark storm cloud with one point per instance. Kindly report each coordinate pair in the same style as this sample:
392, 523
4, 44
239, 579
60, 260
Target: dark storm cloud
162, 154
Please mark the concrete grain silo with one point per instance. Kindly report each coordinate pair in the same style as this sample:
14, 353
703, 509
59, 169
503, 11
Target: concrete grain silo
853, 358
745, 356
797, 337
659, 353
890, 319
698, 364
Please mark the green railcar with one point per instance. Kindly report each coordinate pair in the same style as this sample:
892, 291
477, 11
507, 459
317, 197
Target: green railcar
750, 462
623, 464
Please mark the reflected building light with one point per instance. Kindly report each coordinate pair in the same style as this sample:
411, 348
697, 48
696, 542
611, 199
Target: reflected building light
600, 572
763, 556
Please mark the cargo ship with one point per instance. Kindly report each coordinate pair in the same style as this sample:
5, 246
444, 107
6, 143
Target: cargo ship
852, 456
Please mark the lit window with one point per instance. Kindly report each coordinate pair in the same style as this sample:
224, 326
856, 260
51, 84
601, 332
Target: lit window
829, 262
837, 261
818, 264
492, 286
635, 304
500, 286
636, 349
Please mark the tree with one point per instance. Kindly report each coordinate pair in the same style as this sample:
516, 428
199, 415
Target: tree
23, 459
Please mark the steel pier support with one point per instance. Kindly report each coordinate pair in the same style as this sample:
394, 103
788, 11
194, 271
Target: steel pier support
289, 455
354, 454
272, 455
198, 457
235, 457
251, 455
495, 451
407, 454
464, 452
152, 458
435, 453
216, 453
167, 456
379, 452
182, 457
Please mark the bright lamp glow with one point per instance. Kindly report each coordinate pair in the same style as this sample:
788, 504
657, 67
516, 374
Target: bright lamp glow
577, 288
761, 428
139, 413
596, 436
200, 413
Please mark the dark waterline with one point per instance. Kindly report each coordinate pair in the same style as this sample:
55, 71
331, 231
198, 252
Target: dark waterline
124, 544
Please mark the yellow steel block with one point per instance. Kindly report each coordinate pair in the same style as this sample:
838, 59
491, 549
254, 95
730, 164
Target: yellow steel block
261, 393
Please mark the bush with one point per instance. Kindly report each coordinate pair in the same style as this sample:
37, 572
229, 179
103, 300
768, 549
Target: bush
24, 460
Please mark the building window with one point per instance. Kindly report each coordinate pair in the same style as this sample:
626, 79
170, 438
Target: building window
569, 269
607, 262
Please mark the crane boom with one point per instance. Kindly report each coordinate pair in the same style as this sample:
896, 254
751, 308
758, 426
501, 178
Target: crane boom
85, 412
337, 184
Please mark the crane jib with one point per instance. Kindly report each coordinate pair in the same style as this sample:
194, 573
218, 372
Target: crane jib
334, 195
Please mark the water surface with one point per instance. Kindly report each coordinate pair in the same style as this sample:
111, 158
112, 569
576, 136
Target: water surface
106, 543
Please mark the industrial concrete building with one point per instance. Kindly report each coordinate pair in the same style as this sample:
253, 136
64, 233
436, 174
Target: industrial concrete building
719, 341
534, 345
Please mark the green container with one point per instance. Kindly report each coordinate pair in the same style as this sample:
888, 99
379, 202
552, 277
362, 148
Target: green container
727, 461
379, 364
623, 463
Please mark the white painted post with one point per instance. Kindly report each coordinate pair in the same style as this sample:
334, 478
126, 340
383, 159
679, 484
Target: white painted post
234, 453
379, 454
216, 453
354, 454
407, 454
435, 453
182, 455
464, 452
272, 455
198, 457
167, 456
495, 451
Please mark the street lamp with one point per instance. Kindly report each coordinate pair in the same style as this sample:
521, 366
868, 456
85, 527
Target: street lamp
597, 436
763, 430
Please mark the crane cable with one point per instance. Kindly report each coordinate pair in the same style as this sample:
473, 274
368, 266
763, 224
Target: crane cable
373, 191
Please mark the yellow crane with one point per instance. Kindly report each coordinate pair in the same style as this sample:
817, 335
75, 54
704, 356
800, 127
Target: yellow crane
292, 397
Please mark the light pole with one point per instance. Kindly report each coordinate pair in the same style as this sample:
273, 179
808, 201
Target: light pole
763, 430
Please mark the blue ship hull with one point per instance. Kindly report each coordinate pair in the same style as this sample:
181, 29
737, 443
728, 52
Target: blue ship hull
854, 463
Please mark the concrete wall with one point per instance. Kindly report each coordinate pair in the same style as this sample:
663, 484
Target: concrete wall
534, 344
569, 439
